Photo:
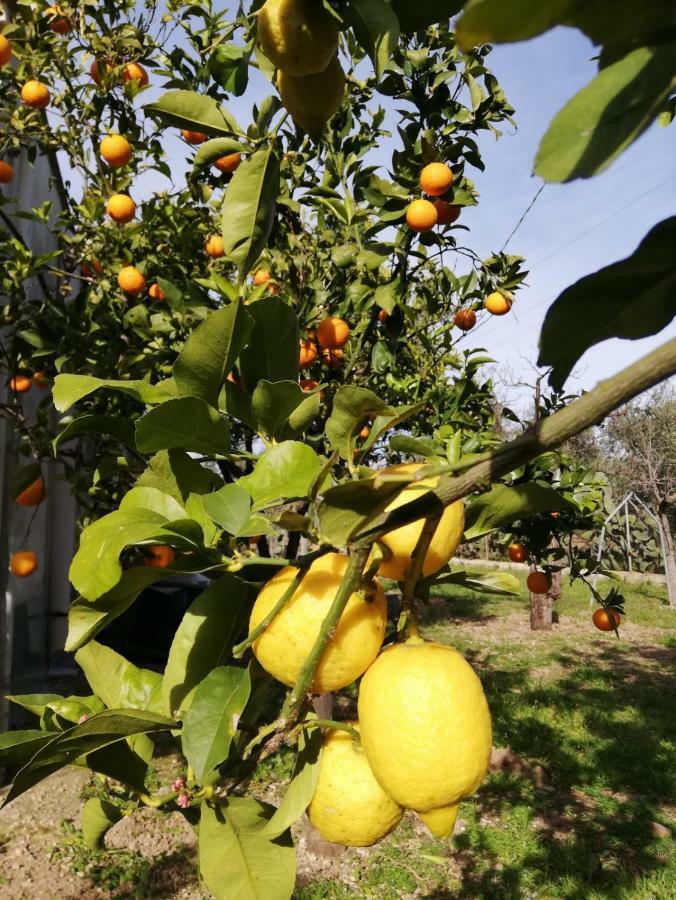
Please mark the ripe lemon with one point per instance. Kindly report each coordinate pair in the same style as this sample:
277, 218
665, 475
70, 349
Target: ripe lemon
313, 99
401, 542
287, 641
298, 36
349, 807
425, 728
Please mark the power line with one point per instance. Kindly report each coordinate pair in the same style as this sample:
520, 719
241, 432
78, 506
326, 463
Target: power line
525, 213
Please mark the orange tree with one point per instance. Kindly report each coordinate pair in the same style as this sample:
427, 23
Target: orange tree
227, 444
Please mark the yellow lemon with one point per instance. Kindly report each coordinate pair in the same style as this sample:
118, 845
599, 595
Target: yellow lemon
349, 807
287, 641
299, 36
425, 728
313, 99
401, 542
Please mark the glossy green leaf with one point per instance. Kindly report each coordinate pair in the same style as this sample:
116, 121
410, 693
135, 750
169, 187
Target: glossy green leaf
203, 640
350, 507
120, 429
607, 115
69, 389
376, 28
229, 67
210, 353
98, 817
211, 722
499, 583
353, 407
230, 507
17, 747
285, 471
189, 423
502, 505
236, 860
142, 497
422, 13
118, 682
210, 151
630, 299
272, 351
175, 473
193, 111
249, 208
302, 786
282, 408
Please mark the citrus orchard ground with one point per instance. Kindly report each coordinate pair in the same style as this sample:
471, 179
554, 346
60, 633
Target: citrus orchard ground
578, 826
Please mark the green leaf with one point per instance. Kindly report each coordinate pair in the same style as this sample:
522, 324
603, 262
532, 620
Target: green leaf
69, 708
211, 722
17, 747
174, 472
502, 505
116, 681
23, 477
630, 299
99, 731
607, 115
229, 66
272, 351
352, 408
350, 507
203, 640
120, 429
69, 389
193, 111
230, 507
210, 151
188, 422
500, 583
249, 208
210, 353
284, 472
404, 443
142, 497
275, 405
98, 817
236, 860
376, 28
422, 13
302, 786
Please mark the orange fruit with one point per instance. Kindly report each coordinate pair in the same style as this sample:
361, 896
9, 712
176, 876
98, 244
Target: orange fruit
58, 23
308, 354
228, 163
332, 357
92, 267
35, 94
364, 433
538, 582
436, 179
261, 276
20, 384
517, 552
116, 150
465, 319
497, 304
41, 380
421, 216
134, 71
6, 172
309, 384
236, 380
96, 70
131, 281
332, 332
5, 50
121, 208
215, 247
34, 494
447, 213
383, 316
194, 137
23, 563
156, 292
606, 619
161, 556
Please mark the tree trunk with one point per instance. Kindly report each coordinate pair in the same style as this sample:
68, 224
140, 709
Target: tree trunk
541, 612
669, 557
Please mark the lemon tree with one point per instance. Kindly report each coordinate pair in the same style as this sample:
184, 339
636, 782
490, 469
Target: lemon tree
255, 353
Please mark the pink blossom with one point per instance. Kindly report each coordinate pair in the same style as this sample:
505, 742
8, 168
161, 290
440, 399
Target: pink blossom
178, 784
83, 718
183, 800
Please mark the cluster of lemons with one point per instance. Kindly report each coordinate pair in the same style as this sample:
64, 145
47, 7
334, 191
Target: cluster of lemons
424, 727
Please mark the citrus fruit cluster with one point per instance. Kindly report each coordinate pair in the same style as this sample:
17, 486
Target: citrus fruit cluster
424, 729
331, 334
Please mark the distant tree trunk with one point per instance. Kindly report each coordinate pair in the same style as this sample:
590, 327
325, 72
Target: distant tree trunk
669, 556
541, 612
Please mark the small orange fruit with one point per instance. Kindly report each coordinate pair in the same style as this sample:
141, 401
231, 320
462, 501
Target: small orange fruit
215, 247
447, 213
161, 556
436, 179
58, 23
229, 163
35, 94
308, 384
517, 552
261, 276
131, 281
121, 208
156, 292
364, 433
134, 71
465, 319
116, 150
33, 495
383, 316
6, 172
606, 619
538, 582
92, 267
332, 332
194, 137
308, 354
5, 50
41, 380
20, 384
497, 304
96, 70
421, 216
23, 563
333, 357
